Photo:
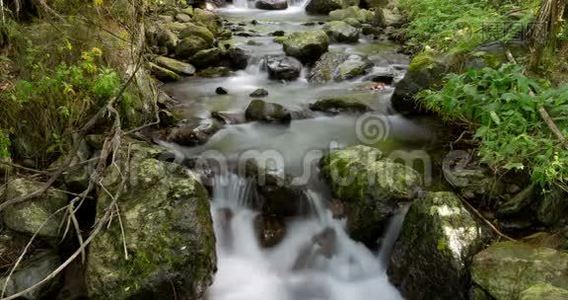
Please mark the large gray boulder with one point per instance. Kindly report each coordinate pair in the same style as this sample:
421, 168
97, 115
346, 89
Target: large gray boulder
282, 67
307, 46
339, 66
42, 214
369, 186
544, 291
363, 16
341, 32
323, 7
505, 270
430, 259
165, 228
259, 110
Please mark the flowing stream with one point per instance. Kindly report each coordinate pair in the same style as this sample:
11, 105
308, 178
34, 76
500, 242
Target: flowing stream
297, 268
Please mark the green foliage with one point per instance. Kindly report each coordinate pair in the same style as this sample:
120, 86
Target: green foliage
461, 25
4, 145
497, 102
46, 110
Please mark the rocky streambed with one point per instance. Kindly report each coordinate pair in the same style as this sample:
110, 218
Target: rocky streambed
285, 171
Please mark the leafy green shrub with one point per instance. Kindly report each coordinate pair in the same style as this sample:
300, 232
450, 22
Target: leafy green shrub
44, 112
512, 134
461, 25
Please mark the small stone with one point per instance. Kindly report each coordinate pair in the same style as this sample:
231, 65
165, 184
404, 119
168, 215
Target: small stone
183, 18
221, 91
278, 33
259, 93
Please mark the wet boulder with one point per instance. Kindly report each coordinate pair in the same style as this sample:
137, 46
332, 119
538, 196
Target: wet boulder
271, 4
544, 291
259, 93
33, 270
505, 270
370, 186
438, 239
336, 105
354, 66
227, 117
323, 7
37, 215
175, 65
214, 72
282, 67
259, 110
306, 46
324, 69
341, 32
165, 229
235, 58
194, 133
270, 230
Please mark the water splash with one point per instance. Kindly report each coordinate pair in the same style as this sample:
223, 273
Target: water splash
315, 260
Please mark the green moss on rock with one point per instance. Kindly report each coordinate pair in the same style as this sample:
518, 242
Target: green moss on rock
506, 269
168, 233
431, 256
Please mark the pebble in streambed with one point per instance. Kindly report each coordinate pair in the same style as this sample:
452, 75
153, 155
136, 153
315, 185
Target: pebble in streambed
221, 91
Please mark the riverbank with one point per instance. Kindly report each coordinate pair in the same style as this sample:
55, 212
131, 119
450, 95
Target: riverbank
184, 145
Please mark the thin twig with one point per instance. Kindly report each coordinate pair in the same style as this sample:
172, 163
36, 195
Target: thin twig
479, 215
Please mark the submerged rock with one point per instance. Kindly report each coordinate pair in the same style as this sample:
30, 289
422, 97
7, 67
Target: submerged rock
37, 215
259, 110
323, 7
175, 65
271, 4
339, 104
282, 67
341, 32
221, 91
370, 187
506, 269
258, 93
214, 72
165, 228
431, 257
307, 46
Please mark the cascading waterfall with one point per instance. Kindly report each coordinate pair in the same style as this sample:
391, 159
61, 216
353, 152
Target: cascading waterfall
291, 3
316, 259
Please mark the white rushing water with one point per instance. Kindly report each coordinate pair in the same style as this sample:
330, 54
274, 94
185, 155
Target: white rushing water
291, 3
315, 260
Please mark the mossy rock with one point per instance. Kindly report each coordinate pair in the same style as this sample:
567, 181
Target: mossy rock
553, 207
324, 68
163, 74
189, 46
340, 104
544, 291
165, 225
175, 65
324, 7
506, 269
31, 271
370, 188
306, 46
196, 30
208, 19
259, 110
38, 214
353, 67
354, 12
207, 58
431, 256
341, 32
